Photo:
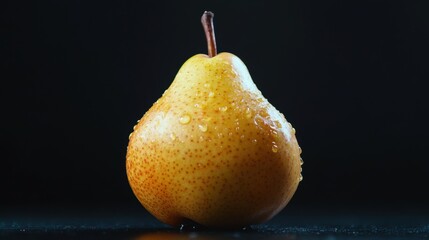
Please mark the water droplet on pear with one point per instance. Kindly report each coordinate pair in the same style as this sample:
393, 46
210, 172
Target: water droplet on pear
275, 148
202, 127
185, 119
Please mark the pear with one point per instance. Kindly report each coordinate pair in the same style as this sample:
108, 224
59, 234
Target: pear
212, 150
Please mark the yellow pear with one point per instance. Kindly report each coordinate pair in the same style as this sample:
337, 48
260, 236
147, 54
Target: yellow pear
212, 149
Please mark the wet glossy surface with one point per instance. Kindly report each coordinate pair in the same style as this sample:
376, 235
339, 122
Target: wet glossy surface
139, 226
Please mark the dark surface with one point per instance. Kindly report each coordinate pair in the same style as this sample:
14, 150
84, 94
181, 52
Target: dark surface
126, 224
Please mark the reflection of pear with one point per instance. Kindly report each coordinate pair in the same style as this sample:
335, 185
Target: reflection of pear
213, 236
164, 236
213, 149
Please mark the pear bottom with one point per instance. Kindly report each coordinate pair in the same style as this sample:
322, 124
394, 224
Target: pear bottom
233, 186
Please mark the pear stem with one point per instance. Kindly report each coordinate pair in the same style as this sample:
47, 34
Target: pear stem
207, 21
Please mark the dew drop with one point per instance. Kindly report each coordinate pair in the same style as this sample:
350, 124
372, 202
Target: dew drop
274, 133
230, 134
300, 177
254, 141
301, 161
129, 136
172, 136
185, 119
134, 128
237, 129
138, 121
202, 127
263, 113
259, 121
300, 150
242, 137
220, 135
293, 131
201, 139
207, 85
223, 109
275, 148
211, 94
248, 113
233, 104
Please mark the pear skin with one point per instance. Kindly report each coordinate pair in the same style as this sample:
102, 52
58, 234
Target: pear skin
213, 150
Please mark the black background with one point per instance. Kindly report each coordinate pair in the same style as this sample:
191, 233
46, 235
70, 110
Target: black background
351, 76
